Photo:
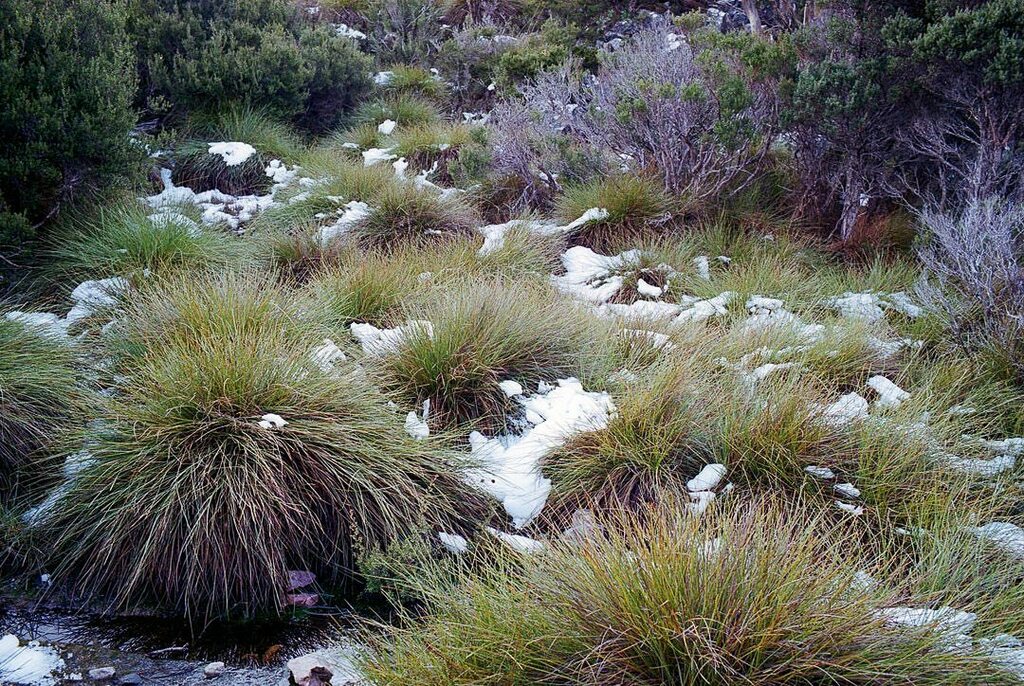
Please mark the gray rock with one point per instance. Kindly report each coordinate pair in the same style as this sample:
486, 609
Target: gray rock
102, 673
213, 670
132, 679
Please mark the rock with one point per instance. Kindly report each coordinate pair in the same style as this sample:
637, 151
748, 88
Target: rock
300, 578
333, 667
302, 599
213, 670
102, 673
132, 679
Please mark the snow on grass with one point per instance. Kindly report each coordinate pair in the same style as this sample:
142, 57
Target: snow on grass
703, 310
510, 470
327, 355
589, 276
218, 207
380, 342
521, 544
30, 664
707, 479
377, 155
453, 543
1006, 536
889, 394
823, 473
89, 297
351, 214
417, 427
849, 408
272, 421
494, 234
768, 313
387, 127
233, 153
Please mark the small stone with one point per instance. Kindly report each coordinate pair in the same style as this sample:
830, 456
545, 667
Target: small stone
213, 670
132, 679
102, 673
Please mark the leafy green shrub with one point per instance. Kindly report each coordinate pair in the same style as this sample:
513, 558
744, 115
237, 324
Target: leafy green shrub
258, 52
230, 457
65, 106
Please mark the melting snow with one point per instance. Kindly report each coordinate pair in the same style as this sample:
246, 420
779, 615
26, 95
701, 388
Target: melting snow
522, 544
272, 421
380, 342
708, 478
30, 664
849, 408
510, 470
453, 542
889, 394
1006, 536
233, 153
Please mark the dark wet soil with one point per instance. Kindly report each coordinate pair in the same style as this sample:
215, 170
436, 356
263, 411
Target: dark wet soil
156, 650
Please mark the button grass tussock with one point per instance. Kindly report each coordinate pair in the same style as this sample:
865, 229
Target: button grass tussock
512, 342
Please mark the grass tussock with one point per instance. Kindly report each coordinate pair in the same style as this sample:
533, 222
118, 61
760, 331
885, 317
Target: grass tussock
761, 594
404, 108
484, 333
189, 504
404, 214
126, 240
41, 396
637, 207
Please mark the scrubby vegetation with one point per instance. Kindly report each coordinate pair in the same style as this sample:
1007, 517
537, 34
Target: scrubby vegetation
576, 343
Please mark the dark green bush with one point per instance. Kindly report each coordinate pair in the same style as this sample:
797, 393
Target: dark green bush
204, 55
66, 85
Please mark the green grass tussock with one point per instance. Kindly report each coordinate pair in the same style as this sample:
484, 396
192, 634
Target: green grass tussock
484, 333
191, 505
404, 214
637, 206
761, 594
41, 395
124, 239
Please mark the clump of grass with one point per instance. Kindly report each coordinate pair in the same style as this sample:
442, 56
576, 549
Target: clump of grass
123, 239
299, 253
358, 137
768, 438
637, 206
41, 397
761, 594
190, 504
269, 135
484, 333
407, 110
404, 214
432, 144
347, 181
365, 287
200, 170
658, 439
375, 286
413, 80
